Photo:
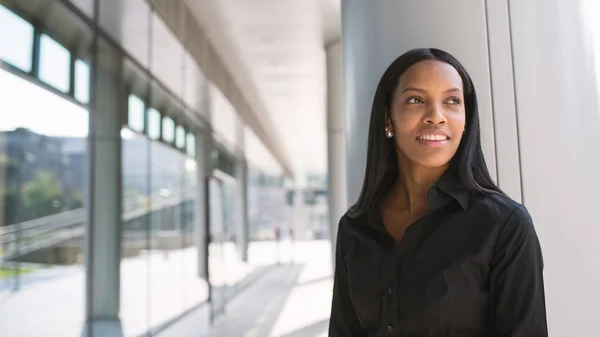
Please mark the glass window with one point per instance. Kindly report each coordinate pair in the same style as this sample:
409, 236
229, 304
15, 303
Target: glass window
180, 143
55, 64
135, 207
191, 144
153, 123
16, 40
42, 170
82, 81
168, 129
166, 253
135, 114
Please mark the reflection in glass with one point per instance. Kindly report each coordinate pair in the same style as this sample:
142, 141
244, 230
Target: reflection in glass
82, 81
166, 252
42, 169
135, 114
55, 64
16, 40
195, 287
134, 259
216, 250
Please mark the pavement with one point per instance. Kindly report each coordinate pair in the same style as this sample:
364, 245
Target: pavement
290, 299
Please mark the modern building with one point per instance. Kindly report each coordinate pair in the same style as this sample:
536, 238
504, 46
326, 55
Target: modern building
159, 157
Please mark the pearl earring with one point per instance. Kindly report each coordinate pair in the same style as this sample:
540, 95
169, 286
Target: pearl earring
389, 133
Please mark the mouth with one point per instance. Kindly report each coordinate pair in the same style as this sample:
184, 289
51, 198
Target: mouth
433, 139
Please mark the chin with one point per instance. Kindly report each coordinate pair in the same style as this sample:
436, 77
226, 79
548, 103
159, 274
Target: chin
433, 161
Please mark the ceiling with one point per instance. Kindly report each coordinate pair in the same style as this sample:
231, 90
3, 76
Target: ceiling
275, 51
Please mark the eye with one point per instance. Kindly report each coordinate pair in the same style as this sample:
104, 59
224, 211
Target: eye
453, 101
414, 100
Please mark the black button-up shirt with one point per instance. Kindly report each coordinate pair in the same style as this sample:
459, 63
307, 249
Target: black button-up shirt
470, 267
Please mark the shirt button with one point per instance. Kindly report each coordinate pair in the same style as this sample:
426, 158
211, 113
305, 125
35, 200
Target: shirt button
390, 291
390, 328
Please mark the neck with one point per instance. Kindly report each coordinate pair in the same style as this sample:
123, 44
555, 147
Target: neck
413, 184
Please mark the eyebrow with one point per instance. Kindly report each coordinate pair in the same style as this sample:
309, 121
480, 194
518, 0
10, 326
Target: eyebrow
425, 91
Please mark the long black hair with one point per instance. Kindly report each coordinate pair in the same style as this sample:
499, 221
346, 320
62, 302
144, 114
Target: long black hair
382, 164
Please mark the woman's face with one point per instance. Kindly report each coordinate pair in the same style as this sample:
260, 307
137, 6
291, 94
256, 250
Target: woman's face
427, 114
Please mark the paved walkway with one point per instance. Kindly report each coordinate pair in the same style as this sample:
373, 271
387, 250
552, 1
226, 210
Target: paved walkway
291, 300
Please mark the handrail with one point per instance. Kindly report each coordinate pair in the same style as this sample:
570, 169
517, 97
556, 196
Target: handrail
72, 220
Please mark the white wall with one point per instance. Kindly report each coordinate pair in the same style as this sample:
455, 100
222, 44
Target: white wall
559, 126
533, 68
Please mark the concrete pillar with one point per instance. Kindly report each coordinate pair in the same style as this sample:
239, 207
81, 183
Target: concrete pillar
108, 104
336, 142
532, 63
241, 232
203, 164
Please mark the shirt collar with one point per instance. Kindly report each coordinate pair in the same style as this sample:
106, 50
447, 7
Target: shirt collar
451, 185
448, 188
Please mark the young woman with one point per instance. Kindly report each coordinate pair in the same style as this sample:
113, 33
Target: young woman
433, 247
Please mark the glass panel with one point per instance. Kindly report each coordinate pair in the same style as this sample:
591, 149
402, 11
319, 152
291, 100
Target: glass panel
168, 129
82, 81
55, 64
134, 243
166, 251
195, 287
135, 114
42, 169
153, 123
216, 250
191, 145
16, 40
180, 137
269, 219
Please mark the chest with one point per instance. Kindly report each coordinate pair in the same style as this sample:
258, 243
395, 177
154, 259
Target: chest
431, 282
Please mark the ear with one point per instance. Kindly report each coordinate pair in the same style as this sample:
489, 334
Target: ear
388, 118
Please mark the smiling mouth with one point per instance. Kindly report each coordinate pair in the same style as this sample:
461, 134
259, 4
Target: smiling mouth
433, 138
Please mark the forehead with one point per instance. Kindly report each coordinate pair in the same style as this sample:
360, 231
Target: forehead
428, 74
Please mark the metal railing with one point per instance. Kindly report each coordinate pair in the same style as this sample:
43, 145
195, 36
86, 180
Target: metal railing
29, 236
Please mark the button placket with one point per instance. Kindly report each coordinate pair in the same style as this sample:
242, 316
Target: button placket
390, 305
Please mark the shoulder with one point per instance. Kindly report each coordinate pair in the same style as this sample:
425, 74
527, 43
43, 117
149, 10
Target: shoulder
499, 208
511, 219
350, 228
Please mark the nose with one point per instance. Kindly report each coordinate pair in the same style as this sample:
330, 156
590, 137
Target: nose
434, 115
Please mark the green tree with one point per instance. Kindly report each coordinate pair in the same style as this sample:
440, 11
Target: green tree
41, 196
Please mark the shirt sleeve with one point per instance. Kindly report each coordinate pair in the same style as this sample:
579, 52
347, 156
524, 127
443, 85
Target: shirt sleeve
517, 301
343, 321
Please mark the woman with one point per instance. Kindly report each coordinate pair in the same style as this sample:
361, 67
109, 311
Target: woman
433, 247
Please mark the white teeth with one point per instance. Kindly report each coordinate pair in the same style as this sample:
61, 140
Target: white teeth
433, 137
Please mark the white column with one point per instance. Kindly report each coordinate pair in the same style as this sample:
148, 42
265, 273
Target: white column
336, 143
102, 234
374, 33
559, 128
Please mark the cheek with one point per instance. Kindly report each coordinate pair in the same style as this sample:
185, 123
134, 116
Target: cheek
405, 123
